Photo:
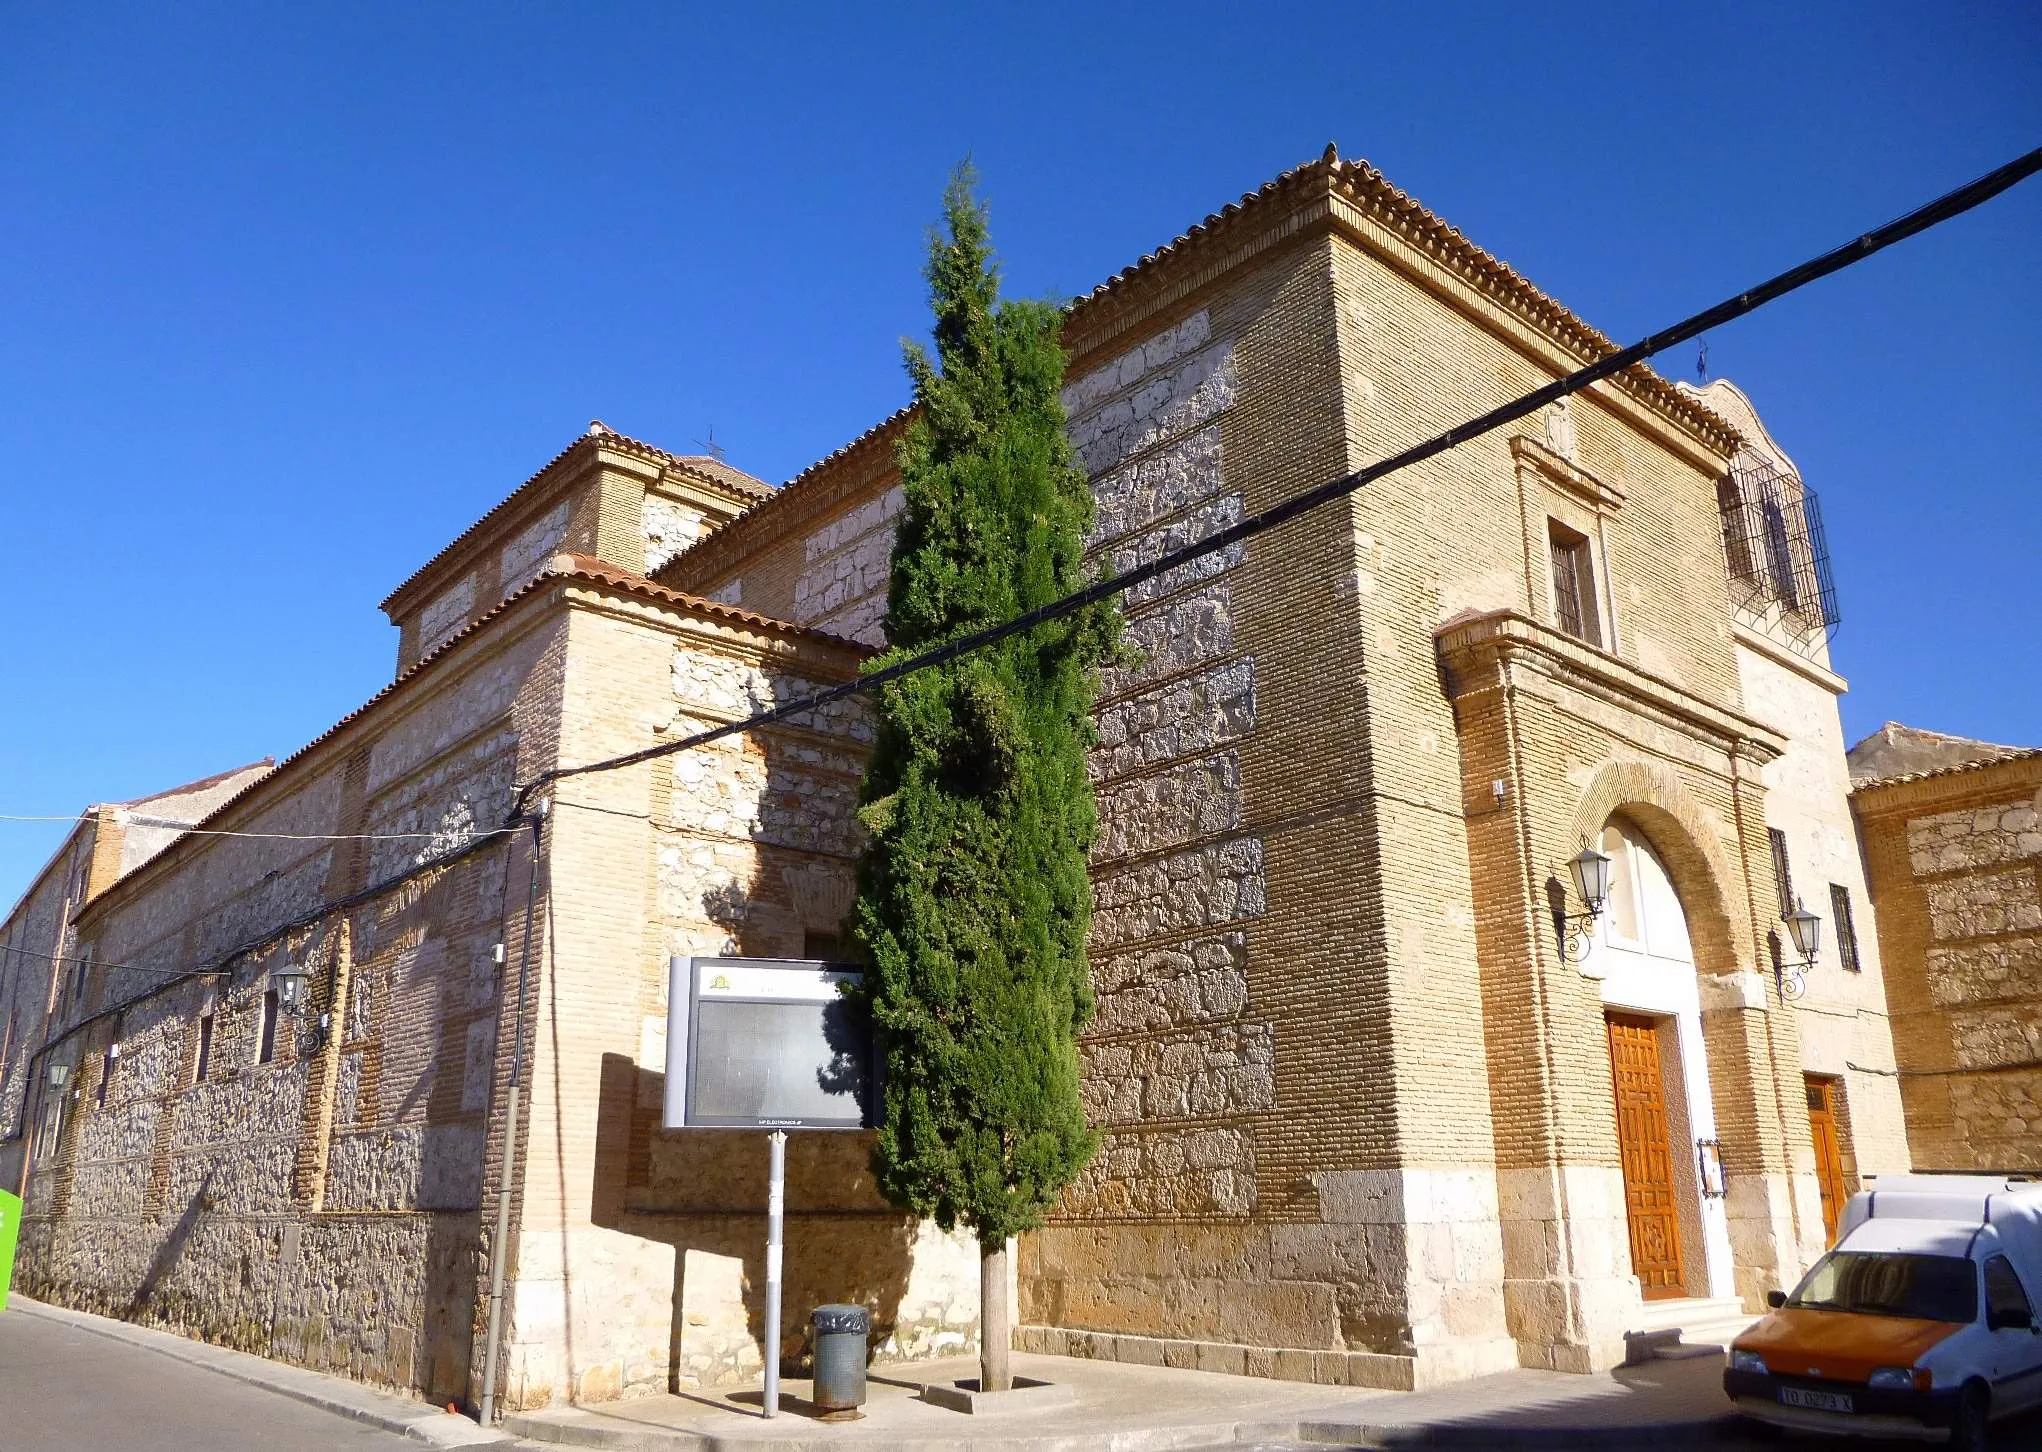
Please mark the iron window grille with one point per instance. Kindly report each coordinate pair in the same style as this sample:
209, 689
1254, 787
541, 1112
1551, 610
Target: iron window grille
1846, 930
1776, 548
1783, 869
1573, 567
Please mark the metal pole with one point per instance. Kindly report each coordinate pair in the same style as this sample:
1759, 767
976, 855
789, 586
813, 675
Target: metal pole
776, 1212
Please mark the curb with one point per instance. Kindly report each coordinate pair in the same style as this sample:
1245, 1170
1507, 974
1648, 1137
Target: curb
316, 1389
557, 1430
1618, 1437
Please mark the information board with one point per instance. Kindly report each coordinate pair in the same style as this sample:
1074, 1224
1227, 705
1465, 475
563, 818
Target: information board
765, 1043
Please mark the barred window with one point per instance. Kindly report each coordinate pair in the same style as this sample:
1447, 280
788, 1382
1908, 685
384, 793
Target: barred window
1573, 583
1783, 870
1846, 930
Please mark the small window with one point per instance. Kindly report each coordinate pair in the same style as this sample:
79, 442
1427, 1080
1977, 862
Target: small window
826, 946
1573, 583
1846, 930
266, 1045
198, 1073
1736, 529
1783, 870
2004, 1298
1779, 555
107, 1065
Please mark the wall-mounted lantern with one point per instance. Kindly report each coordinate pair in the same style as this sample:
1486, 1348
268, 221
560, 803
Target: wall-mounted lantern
1806, 930
290, 982
292, 985
60, 1075
1590, 870
1709, 1166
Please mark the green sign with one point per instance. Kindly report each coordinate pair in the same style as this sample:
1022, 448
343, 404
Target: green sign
10, 1226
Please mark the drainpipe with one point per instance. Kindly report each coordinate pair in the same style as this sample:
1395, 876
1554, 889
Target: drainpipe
499, 1250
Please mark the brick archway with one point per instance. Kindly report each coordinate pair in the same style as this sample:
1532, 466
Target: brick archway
1688, 840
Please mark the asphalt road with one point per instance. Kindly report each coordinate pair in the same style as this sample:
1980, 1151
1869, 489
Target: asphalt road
65, 1390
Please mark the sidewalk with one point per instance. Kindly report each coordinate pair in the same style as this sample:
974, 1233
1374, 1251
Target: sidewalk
1122, 1408
1111, 1407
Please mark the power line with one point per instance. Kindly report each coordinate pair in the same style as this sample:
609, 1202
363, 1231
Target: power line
1942, 209
224, 962
195, 830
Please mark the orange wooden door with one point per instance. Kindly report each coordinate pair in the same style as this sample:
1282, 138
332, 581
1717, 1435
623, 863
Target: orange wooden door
1828, 1150
1647, 1157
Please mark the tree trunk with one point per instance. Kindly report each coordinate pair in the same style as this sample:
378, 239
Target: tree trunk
995, 1318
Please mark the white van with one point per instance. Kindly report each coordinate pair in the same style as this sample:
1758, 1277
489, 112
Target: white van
1924, 1322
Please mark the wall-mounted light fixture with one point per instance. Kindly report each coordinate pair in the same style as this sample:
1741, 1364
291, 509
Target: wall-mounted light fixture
292, 983
1806, 930
1590, 870
60, 1075
1709, 1166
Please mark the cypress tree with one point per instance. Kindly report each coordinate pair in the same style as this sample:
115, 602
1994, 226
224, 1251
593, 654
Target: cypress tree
973, 895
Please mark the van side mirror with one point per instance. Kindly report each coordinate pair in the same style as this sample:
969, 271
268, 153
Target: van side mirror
2009, 1321
1776, 1299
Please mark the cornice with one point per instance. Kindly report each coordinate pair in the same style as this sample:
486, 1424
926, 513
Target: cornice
1570, 478
591, 582
1365, 206
1319, 198
1503, 637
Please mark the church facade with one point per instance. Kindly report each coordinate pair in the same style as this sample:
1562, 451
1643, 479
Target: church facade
1382, 1101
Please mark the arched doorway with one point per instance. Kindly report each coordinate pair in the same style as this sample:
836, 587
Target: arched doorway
1644, 957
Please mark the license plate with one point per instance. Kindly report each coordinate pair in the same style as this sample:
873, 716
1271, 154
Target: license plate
1818, 1401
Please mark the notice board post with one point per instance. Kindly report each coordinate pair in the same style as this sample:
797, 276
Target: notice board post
772, 1044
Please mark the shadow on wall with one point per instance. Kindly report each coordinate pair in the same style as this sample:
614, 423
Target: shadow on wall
704, 1193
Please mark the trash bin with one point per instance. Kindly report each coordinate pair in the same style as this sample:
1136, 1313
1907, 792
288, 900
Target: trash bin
840, 1336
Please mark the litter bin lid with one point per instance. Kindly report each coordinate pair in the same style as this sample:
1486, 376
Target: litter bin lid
828, 1319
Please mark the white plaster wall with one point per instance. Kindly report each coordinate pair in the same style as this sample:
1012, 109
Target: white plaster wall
1842, 1018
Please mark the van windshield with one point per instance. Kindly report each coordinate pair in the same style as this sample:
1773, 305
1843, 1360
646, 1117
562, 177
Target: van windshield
1888, 1283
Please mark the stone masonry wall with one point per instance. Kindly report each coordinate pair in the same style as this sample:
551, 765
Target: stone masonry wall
1956, 872
305, 1187
640, 1263
35, 943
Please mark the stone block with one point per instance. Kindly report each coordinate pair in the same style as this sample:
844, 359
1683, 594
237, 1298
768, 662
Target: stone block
1293, 1365
1219, 1357
1360, 1197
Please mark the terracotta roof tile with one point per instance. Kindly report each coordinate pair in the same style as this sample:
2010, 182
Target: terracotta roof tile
2000, 758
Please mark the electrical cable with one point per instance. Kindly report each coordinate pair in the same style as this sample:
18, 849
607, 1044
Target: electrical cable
1931, 214
223, 962
1921, 219
194, 829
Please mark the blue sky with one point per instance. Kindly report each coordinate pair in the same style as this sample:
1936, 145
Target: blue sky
290, 294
